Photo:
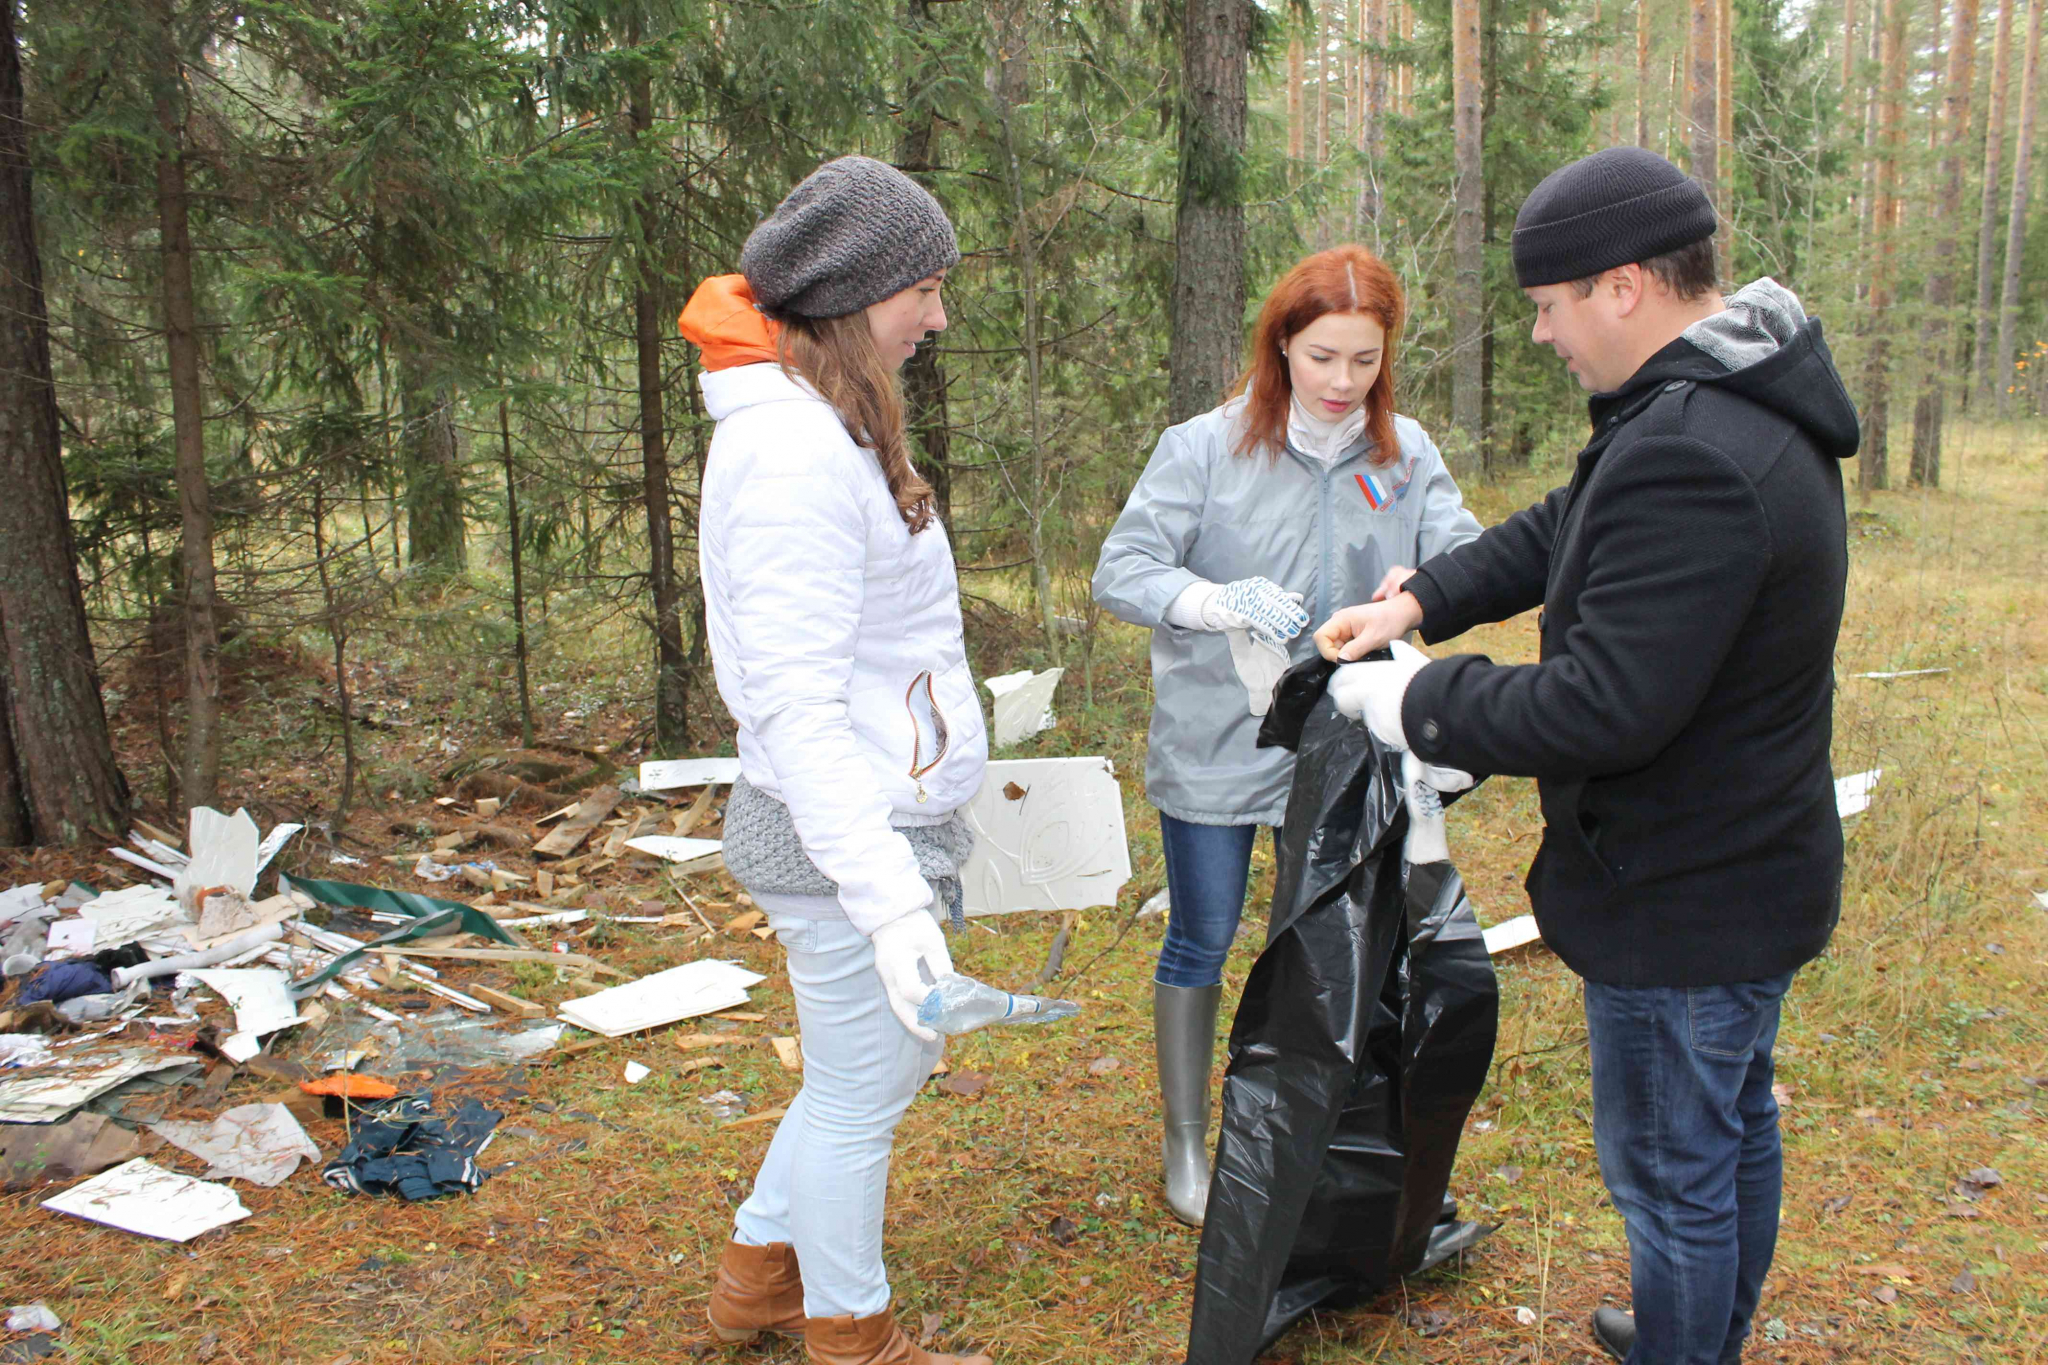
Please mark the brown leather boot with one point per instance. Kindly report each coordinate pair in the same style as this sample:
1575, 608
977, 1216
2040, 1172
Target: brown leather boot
847, 1340
758, 1290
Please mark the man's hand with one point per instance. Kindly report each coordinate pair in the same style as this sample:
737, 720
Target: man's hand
1355, 632
1391, 585
1373, 692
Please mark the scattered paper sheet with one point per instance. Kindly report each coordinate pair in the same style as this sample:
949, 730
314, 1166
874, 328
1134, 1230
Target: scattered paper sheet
44, 1096
1511, 933
1048, 835
142, 1197
272, 843
17, 901
665, 774
259, 1143
1023, 703
261, 996
636, 1073
670, 848
223, 854
679, 993
71, 937
85, 1144
131, 913
1852, 793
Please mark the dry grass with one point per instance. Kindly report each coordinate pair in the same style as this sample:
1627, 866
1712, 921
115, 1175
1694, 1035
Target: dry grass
1911, 1054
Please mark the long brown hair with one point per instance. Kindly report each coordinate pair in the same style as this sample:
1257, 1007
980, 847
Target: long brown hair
1344, 279
838, 357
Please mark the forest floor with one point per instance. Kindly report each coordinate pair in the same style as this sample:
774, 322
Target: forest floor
1026, 1214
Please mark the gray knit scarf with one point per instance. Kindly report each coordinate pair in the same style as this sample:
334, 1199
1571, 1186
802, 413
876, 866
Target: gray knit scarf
763, 853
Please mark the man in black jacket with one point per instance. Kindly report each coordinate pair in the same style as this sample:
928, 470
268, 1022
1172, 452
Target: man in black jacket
1691, 578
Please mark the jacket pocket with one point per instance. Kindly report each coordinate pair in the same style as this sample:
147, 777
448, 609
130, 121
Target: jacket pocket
930, 735
1575, 834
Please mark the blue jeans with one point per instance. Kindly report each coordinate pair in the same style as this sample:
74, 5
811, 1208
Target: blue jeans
1687, 1131
1207, 868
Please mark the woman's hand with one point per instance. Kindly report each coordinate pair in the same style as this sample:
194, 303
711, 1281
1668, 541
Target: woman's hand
1355, 632
1392, 583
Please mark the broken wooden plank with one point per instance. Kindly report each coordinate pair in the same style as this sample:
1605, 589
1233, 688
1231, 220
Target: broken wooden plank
511, 1004
564, 838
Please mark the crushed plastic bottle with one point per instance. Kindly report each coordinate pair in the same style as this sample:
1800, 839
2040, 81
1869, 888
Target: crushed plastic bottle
960, 1004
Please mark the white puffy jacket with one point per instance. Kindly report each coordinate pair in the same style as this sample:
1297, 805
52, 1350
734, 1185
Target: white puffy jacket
835, 636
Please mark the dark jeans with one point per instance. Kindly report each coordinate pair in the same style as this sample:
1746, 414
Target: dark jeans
1687, 1131
1207, 868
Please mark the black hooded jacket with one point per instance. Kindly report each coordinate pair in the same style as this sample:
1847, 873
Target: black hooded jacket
1691, 578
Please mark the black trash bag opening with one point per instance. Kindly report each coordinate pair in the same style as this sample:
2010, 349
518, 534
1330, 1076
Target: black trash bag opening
1364, 1035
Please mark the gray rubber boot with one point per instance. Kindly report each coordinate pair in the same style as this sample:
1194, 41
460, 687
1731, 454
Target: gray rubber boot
1184, 1032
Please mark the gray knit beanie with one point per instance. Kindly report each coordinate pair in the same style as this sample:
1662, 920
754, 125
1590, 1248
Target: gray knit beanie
853, 233
1612, 208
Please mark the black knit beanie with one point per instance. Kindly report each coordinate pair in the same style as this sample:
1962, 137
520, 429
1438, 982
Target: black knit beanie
1612, 208
853, 233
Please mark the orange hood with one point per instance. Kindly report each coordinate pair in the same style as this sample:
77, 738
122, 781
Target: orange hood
724, 323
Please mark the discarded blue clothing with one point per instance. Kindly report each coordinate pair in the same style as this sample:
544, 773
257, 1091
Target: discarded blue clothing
403, 1149
61, 981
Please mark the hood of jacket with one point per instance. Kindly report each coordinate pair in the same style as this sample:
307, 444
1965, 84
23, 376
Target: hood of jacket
1764, 347
722, 320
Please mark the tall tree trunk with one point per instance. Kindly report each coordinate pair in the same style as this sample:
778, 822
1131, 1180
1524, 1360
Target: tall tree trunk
1873, 470
1407, 68
1372, 129
1643, 73
1928, 411
1702, 92
1987, 220
1468, 287
200, 780
2016, 220
435, 533
1866, 201
671, 667
57, 775
1208, 268
1724, 131
924, 379
1297, 139
1323, 84
518, 557
337, 636
1848, 46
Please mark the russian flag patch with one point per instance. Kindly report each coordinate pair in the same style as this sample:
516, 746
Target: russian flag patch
1376, 493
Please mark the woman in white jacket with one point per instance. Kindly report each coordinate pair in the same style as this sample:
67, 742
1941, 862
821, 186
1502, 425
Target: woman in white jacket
834, 617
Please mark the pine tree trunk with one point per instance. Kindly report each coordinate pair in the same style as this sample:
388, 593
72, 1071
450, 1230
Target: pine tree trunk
1701, 96
1372, 133
58, 782
1407, 69
924, 379
1643, 73
1866, 201
1297, 133
435, 534
1873, 464
2016, 220
1468, 289
1848, 46
1928, 411
1724, 132
1323, 84
671, 667
200, 779
518, 557
1208, 268
1979, 391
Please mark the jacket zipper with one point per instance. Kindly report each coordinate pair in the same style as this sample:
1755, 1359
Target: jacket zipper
940, 736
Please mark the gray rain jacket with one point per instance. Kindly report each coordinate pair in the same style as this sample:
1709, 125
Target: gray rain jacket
1327, 531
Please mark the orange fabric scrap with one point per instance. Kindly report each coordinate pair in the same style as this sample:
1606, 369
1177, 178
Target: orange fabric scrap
350, 1087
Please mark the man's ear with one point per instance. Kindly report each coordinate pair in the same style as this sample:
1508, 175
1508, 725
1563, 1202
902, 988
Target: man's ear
1626, 283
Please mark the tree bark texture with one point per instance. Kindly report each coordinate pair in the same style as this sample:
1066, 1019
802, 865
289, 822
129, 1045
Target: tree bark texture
435, 534
2016, 219
1848, 46
1701, 95
1873, 470
1208, 269
1643, 72
1724, 132
1468, 288
924, 378
58, 781
1296, 131
1406, 71
200, 779
1372, 132
650, 314
1929, 410
1987, 220
1323, 84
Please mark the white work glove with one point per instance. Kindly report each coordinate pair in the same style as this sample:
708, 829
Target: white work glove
1372, 692
1259, 666
1421, 783
910, 957
1258, 605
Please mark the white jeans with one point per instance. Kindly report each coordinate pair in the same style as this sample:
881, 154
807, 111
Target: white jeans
825, 1181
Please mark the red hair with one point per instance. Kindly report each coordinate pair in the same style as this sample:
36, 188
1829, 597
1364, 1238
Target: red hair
1344, 279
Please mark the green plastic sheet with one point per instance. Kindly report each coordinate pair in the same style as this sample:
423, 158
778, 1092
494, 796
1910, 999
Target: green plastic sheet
430, 915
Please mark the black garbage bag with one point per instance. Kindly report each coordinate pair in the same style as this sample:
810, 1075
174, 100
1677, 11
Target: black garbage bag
1365, 1033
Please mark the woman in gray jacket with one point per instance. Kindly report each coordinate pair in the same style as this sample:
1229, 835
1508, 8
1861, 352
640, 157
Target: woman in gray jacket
1293, 499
